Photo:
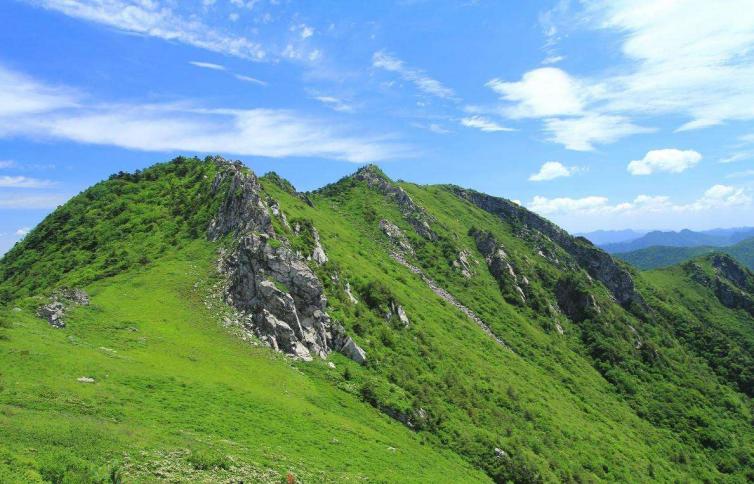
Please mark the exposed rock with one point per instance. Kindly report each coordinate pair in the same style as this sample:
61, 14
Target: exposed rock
279, 298
60, 301
242, 210
596, 262
277, 212
350, 295
575, 301
353, 351
331, 365
318, 254
500, 453
415, 215
399, 312
463, 264
731, 270
85, 379
499, 264
396, 235
559, 329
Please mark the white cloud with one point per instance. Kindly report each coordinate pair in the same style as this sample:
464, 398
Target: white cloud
716, 197
186, 127
7, 164
692, 59
305, 31
24, 182
21, 95
668, 160
33, 202
423, 82
741, 174
552, 59
551, 170
582, 133
484, 124
543, 92
739, 156
250, 79
233, 17
151, 18
335, 103
207, 65
23, 231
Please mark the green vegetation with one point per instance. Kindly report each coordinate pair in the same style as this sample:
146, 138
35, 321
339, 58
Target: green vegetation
660, 256
661, 393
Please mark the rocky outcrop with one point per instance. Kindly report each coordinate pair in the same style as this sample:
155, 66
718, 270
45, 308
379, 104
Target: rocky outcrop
318, 253
397, 310
419, 219
576, 301
463, 264
396, 236
280, 299
596, 262
732, 284
731, 270
60, 301
500, 265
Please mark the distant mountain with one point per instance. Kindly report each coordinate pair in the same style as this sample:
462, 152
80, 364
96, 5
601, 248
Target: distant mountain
684, 238
662, 256
601, 237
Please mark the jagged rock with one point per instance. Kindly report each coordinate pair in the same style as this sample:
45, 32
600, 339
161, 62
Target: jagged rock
277, 212
242, 209
731, 270
396, 235
499, 263
575, 301
399, 312
350, 295
415, 215
596, 262
318, 254
353, 351
60, 301
279, 297
463, 264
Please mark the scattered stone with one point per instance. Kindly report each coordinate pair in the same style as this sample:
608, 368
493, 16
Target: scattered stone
17, 310
500, 453
331, 365
350, 294
60, 300
85, 379
396, 235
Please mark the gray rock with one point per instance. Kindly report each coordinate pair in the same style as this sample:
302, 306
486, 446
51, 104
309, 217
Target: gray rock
60, 300
396, 236
353, 351
85, 379
318, 254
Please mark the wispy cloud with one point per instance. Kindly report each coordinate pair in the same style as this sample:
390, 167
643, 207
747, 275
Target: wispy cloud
716, 197
188, 127
24, 182
422, 81
335, 103
32, 202
679, 59
207, 65
23, 231
250, 79
483, 124
154, 19
7, 164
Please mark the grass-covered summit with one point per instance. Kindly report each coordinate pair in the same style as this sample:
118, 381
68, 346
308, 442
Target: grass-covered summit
438, 335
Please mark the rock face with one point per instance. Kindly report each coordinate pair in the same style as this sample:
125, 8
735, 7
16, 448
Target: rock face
576, 302
280, 298
596, 262
500, 265
396, 236
732, 284
419, 219
60, 301
318, 254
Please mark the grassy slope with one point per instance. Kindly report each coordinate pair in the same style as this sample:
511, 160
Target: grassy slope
659, 257
171, 381
546, 404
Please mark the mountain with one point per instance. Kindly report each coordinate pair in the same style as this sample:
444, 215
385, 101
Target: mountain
656, 257
683, 238
602, 237
195, 322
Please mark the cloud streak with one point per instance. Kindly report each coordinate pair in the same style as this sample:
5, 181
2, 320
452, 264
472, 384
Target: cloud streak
424, 83
185, 127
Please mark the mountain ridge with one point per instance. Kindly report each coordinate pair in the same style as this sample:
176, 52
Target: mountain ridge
583, 369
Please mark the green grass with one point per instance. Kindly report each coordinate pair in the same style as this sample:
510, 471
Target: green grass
171, 381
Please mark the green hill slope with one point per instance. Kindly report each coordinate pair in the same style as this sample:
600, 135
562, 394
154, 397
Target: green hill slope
470, 339
660, 256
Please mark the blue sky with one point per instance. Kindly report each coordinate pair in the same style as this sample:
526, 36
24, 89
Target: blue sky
598, 115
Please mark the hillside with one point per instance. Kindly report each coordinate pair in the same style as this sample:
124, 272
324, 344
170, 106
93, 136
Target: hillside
432, 334
658, 257
683, 238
